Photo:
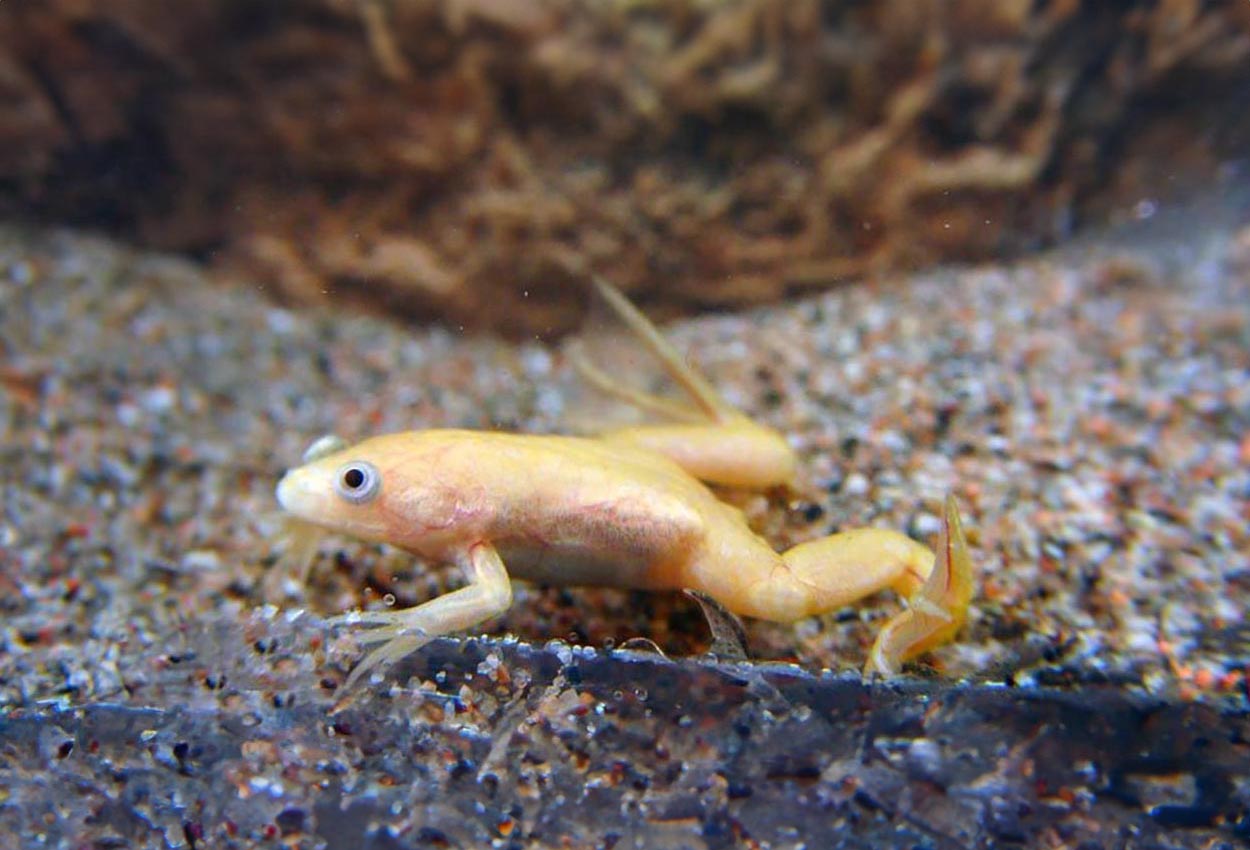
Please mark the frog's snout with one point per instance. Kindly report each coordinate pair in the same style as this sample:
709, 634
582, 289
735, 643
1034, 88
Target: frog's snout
296, 494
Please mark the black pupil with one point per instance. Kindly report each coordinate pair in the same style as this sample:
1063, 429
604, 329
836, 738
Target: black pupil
353, 478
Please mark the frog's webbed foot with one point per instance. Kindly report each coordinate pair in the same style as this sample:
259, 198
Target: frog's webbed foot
397, 643
403, 632
699, 431
593, 375
937, 610
706, 405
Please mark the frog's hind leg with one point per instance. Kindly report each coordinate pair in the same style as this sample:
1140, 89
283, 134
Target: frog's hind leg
403, 632
824, 575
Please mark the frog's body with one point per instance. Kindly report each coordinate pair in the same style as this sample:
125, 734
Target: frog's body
626, 509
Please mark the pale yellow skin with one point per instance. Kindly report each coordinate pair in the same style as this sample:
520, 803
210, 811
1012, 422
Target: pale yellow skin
628, 508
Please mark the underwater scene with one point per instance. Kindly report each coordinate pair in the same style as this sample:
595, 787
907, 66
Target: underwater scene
624, 424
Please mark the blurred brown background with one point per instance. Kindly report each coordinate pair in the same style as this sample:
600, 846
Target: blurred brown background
467, 159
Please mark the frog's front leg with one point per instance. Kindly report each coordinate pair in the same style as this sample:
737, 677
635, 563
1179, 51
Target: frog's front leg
403, 632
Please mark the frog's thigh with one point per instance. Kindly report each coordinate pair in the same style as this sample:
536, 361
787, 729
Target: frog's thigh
401, 633
739, 454
812, 578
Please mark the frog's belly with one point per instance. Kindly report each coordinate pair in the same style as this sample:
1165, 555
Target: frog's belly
564, 564
635, 536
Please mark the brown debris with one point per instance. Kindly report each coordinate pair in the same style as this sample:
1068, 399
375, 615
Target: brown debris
448, 158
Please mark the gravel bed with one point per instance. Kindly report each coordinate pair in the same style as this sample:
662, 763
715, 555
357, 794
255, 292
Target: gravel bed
1089, 409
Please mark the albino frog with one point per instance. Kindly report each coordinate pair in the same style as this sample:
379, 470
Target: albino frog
627, 508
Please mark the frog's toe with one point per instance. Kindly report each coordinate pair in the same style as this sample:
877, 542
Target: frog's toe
384, 617
384, 634
397, 645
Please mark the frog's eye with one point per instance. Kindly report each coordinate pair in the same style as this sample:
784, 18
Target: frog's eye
358, 481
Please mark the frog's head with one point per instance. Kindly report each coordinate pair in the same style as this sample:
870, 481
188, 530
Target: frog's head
339, 488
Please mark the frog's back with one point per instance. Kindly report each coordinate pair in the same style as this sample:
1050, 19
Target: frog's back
582, 511
524, 468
